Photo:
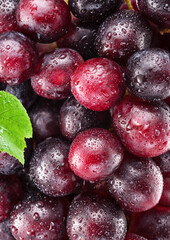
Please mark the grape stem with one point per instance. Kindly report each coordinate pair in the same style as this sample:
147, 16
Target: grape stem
129, 4
165, 30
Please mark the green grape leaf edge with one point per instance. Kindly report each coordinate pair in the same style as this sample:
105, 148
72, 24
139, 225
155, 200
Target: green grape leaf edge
15, 126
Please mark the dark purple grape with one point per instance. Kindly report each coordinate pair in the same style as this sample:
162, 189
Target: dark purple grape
148, 74
74, 118
10, 194
93, 217
49, 168
158, 11
44, 115
91, 11
163, 161
137, 184
5, 232
81, 38
153, 224
39, 218
23, 92
123, 34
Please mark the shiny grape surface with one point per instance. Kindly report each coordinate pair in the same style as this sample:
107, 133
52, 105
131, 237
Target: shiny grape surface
49, 169
94, 154
94, 78
44, 116
160, 227
149, 81
93, 216
8, 15
98, 84
18, 58
156, 11
123, 34
80, 37
143, 127
94, 12
137, 185
43, 21
54, 73
39, 217
74, 118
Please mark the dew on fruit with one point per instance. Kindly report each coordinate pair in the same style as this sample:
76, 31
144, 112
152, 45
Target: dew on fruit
51, 174
104, 220
122, 44
95, 154
74, 65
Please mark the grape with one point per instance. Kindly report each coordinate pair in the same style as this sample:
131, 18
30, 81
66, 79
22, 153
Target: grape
91, 11
8, 16
148, 74
165, 198
39, 217
153, 224
18, 58
158, 11
92, 216
11, 193
95, 154
49, 168
163, 161
23, 92
80, 37
143, 127
8, 164
98, 84
131, 236
54, 73
137, 184
74, 118
44, 116
5, 232
43, 21
122, 34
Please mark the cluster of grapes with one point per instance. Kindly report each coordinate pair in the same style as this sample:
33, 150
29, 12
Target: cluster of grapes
94, 77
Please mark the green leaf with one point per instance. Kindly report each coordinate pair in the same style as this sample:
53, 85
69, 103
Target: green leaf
15, 126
